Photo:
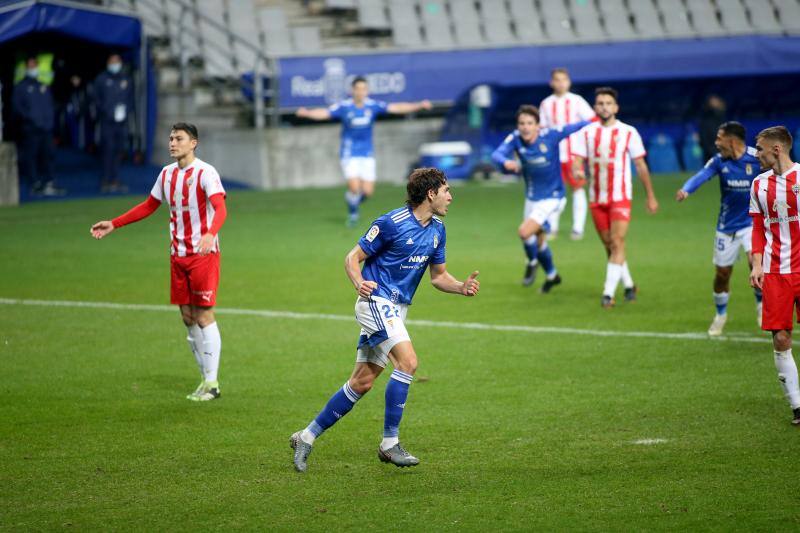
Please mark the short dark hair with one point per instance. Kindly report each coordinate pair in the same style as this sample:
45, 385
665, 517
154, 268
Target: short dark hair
421, 181
191, 129
734, 129
527, 109
609, 91
358, 79
778, 134
559, 70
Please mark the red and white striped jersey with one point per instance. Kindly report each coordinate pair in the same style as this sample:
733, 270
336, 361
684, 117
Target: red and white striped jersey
608, 151
190, 212
777, 199
563, 111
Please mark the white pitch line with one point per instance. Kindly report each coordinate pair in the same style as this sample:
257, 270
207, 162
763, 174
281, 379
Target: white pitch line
425, 323
648, 442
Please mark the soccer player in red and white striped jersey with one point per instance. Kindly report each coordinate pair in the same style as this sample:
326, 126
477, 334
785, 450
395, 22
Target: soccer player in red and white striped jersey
609, 146
193, 190
775, 208
563, 108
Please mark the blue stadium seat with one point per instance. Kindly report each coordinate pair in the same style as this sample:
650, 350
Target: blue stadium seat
796, 146
662, 155
691, 153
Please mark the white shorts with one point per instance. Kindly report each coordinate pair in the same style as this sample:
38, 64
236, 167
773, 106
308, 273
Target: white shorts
541, 210
726, 246
359, 167
382, 328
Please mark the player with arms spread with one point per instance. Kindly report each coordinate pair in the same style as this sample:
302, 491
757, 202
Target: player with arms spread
196, 199
396, 251
356, 153
608, 146
537, 150
564, 108
736, 165
775, 208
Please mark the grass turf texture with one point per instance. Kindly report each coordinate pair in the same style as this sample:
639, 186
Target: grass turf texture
514, 430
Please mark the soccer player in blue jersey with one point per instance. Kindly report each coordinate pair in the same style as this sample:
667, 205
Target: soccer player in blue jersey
737, 166
356, 154
538, 161
396, 250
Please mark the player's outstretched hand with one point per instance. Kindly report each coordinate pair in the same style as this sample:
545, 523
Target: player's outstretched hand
101, 229
472, 285
652, 205
302, 112
366, 288
425, 104
206, 244
757, 276
681, 195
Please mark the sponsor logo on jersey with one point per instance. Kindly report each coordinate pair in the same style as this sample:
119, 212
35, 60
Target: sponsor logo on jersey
725, 170
779, 206
372, 233
410, 241
739, 183
418, 259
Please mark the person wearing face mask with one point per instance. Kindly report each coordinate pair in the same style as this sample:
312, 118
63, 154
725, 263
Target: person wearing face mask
32, 103
113, 102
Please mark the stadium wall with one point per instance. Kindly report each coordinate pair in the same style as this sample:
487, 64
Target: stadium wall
300, 157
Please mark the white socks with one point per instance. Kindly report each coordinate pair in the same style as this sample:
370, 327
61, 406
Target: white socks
627, 280
579, 210
613, 275
388, 442
307, 436
212, 346
787, 375
195, 339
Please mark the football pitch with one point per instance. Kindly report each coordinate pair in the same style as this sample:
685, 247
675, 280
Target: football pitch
529, 411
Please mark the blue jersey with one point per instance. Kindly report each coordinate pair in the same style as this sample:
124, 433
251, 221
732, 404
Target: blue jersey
540, 163
399, 250
357, 125
735, 178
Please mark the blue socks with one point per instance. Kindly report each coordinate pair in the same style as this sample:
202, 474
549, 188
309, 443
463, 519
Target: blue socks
396, 395
531, 248
353, 200
339, 405
545, 257
721, 302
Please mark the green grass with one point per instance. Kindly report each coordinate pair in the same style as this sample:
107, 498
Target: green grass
516, 431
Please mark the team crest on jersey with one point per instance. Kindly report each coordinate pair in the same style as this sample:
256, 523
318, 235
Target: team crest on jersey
748, 169
372, 233
796, 188
189, 181
543, 148
435, 241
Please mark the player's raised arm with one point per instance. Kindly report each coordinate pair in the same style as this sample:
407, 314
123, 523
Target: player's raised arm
316, 113
446, 282
694, 183
404, 108
503, 155
644, 175
140, 211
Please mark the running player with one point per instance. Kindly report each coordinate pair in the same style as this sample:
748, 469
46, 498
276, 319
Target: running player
537, 150
775, 208
563, 108
396, 250
356, 153
736, 165
609, 145
196, 199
